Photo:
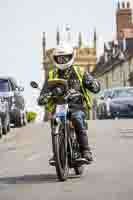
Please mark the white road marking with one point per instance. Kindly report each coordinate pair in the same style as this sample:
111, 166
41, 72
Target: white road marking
127, 132
3, 171
35, 156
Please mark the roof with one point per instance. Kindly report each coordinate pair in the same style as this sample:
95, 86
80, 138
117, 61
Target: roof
102, 67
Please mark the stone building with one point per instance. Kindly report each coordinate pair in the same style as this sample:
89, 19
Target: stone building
86, 57
115, 66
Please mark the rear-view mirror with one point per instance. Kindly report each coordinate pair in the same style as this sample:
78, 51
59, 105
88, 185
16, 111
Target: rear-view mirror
33, 84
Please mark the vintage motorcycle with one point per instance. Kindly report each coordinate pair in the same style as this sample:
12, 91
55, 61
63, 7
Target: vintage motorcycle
65, 144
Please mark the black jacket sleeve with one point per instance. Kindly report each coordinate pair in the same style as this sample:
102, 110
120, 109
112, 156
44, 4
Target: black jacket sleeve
90, 83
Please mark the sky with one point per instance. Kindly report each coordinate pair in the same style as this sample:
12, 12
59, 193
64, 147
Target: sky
23, 21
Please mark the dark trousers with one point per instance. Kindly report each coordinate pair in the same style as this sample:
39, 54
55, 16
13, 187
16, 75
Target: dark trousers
78, 119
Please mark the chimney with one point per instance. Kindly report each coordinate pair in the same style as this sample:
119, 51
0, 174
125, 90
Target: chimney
123, 18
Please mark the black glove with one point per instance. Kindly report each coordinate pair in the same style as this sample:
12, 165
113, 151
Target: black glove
90, 83
87, 80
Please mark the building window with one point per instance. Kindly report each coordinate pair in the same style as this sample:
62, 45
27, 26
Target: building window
115, 75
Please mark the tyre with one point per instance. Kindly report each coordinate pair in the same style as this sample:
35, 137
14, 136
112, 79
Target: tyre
24, 120
8, 123
98, 113
103, 112
0, 131
79, 170
4, 130
98, 116
8, 128
60, 150
19, 121
4, 125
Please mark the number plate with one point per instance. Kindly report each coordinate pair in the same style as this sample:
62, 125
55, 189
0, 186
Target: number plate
61, 110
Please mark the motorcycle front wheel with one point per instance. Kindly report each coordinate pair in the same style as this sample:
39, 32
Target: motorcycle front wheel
61, 157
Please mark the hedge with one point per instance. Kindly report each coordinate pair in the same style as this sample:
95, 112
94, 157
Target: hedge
31, 116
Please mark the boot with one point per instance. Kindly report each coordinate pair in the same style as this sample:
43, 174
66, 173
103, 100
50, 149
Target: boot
86, 155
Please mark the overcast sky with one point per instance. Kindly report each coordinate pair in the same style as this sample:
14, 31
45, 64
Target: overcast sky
23, 21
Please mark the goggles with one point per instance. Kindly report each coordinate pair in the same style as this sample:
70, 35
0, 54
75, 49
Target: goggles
63, 59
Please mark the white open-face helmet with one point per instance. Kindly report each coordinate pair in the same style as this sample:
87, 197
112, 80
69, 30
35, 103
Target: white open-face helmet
63, 56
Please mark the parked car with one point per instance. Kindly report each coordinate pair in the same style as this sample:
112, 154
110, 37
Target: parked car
118, 102
13, 92
4, 115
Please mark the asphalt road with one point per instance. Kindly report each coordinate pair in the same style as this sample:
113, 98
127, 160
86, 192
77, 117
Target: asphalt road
26, 175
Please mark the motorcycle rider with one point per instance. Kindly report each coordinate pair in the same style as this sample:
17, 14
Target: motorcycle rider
63, 60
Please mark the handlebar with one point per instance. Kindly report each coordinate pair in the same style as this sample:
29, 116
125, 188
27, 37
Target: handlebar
68, 97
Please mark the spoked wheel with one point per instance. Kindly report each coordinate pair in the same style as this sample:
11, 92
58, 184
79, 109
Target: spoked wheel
61, 158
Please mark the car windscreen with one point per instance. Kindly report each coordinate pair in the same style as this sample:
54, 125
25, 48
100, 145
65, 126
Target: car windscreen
124, 93
4, 86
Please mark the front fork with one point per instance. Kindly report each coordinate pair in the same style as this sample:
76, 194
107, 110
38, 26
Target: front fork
55, 126
58, 126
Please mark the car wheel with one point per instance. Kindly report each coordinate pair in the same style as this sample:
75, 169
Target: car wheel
19, 121
8, 123
98, 116
0, 131
99, 113
4, 130
104, 112
4, 125
24, 120
8, 127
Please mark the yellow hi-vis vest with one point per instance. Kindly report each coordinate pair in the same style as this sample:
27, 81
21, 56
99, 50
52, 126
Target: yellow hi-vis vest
86, 93
53, 74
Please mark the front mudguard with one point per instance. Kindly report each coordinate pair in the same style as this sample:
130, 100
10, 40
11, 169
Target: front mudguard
55, 126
